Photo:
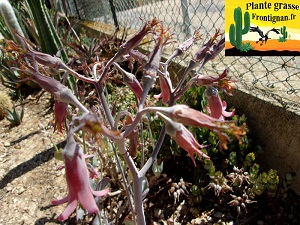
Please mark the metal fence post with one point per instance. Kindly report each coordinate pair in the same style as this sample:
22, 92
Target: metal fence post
113, 11
186, 18
77, 11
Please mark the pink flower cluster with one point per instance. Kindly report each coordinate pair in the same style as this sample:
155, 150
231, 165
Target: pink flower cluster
77, 177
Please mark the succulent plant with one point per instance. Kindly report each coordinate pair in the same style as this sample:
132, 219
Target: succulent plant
14, 117
286, 182
273, 183
254, 169
240, 202
249, 160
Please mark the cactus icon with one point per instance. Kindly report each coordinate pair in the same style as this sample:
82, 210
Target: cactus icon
284, 34
236, 31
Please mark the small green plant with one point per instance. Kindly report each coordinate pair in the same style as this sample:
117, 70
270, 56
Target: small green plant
245, 47
5, 103
284, 34
15, 118
286, 183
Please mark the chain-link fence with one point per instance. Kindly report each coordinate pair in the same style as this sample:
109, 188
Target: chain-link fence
276, 79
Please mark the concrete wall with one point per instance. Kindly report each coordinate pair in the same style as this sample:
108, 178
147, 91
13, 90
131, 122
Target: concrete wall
276, 129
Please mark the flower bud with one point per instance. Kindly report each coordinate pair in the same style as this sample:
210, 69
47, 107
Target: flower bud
216, 108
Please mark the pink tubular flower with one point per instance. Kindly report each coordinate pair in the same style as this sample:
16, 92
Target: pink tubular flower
183, 137
200, 54
188, 116
130, 80
184, 46
126, 47
216, 107
77, 177
60, 113
42, 58
49, 84
192, 117
165, 91
205, 80
151, 68
222, 81
198, 58
139, 57
214, 51
153, 64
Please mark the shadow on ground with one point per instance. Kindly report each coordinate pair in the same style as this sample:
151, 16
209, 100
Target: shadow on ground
29, 165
